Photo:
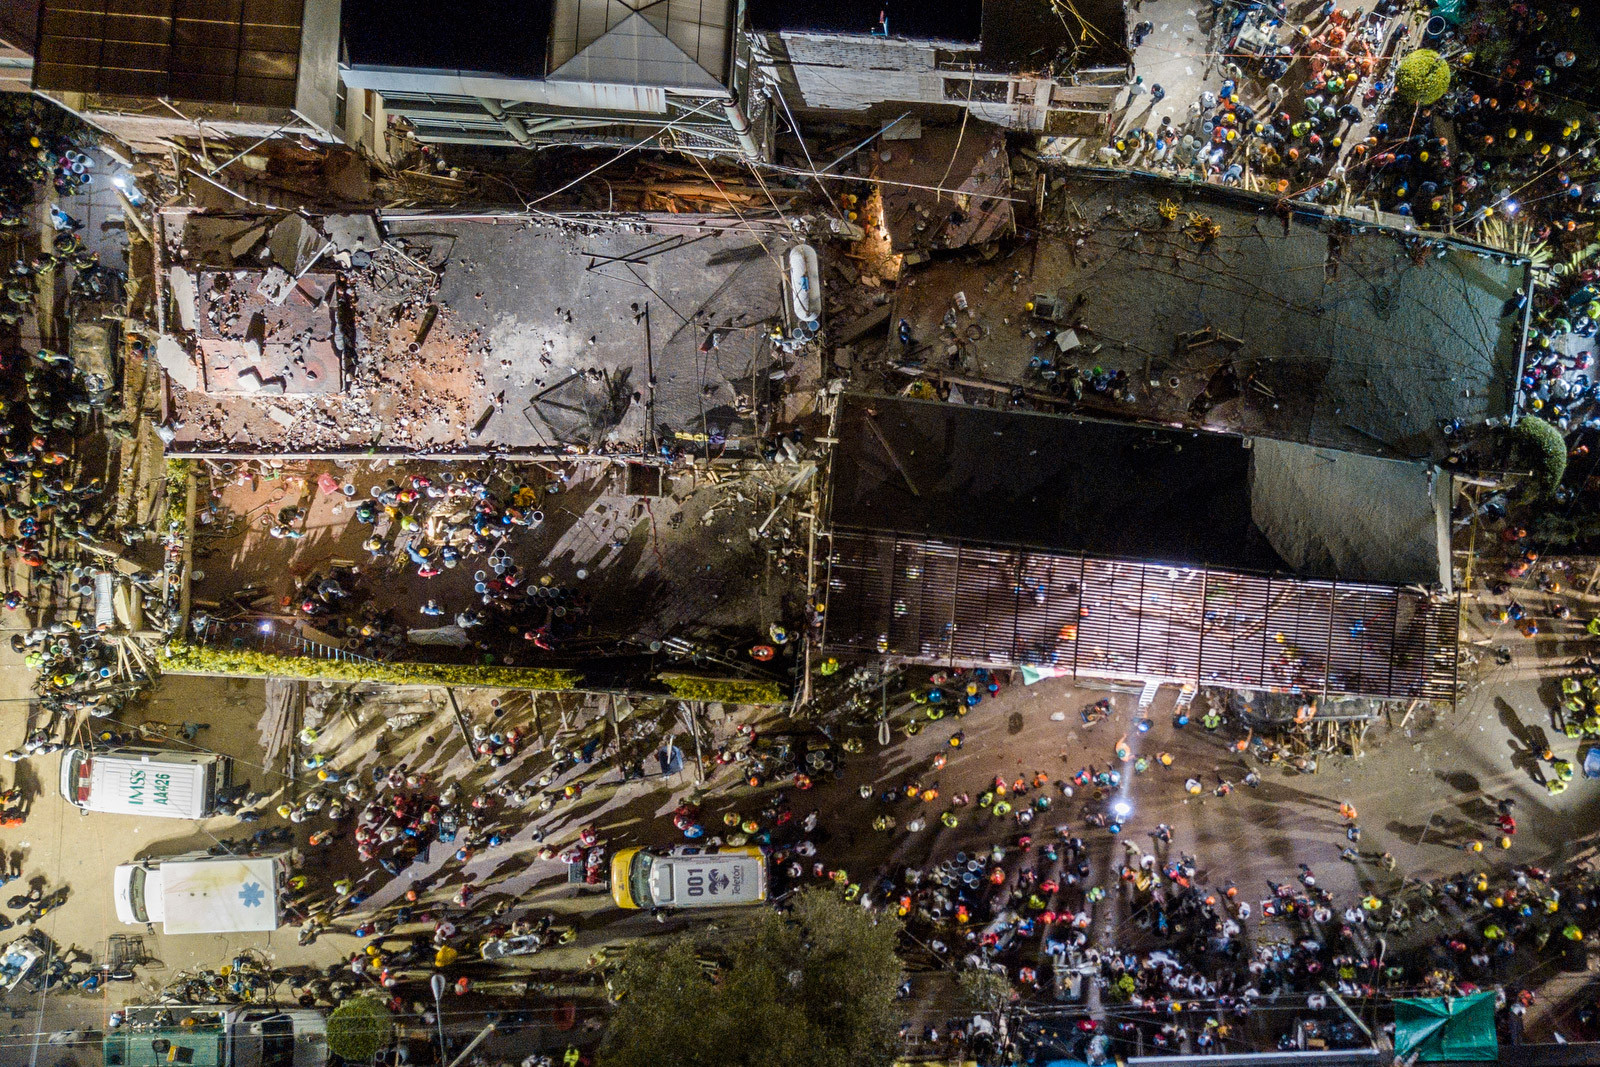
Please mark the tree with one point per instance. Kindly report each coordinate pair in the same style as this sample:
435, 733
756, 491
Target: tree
812, 988
358, 1028
1423, 77
1549, 447
984, 991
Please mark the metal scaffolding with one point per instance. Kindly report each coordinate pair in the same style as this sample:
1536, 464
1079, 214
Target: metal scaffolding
952, 602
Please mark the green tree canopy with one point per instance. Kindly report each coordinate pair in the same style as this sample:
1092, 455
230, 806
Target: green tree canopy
1423, 77
813, 988
1548, 447
358, 1028
984, 991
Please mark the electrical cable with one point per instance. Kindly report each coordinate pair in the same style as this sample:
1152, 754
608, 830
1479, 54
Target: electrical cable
696, 111
804, 148
965, 112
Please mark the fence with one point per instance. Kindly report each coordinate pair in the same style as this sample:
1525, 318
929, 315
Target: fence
278, 641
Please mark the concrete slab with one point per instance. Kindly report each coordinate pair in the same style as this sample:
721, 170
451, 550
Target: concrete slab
178, 364
1300, 328
250, 345
529, 337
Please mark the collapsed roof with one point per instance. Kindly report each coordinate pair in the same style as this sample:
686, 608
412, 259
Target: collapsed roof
1301, 327
468, 336
1158, 495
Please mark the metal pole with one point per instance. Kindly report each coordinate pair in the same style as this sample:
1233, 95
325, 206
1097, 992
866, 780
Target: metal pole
694, 730
1337, 999
461, 723
437, 984
246, 151
650, 381
616, 731
474, 1043
862, 145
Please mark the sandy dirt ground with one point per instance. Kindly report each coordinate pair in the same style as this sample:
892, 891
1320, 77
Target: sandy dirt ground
1423, 792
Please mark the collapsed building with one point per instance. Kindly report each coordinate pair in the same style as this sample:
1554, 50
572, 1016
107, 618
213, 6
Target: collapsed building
967, 536
428, 440
1270, 511
469, 337
1211, 308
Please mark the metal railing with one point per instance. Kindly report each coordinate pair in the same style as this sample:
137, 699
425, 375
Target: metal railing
280, 642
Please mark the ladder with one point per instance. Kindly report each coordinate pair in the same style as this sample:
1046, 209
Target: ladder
1147, 695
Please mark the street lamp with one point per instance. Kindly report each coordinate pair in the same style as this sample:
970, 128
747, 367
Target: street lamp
437, 984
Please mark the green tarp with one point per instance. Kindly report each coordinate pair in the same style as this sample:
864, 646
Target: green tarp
1446, 1028
1450, 10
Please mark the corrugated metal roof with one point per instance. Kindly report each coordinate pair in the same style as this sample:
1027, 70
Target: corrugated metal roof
634, 52
1120, 491
946, 601
699, 28
155, 1048
209, 51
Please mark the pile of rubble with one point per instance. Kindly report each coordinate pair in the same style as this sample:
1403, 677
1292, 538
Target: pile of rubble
269, 354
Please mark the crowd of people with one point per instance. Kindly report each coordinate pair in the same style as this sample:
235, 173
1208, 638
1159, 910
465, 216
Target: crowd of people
432, 527
1512, 138
1063, 891
1048, 879
1289, 117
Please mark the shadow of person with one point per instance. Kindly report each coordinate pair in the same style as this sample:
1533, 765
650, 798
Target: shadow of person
1524, 755
27, 784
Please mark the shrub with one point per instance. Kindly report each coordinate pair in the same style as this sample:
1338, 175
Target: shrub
984, 990
724, 690
183, 658
177, 494
358, 1028
1550, 446
1423, 77
814, 986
